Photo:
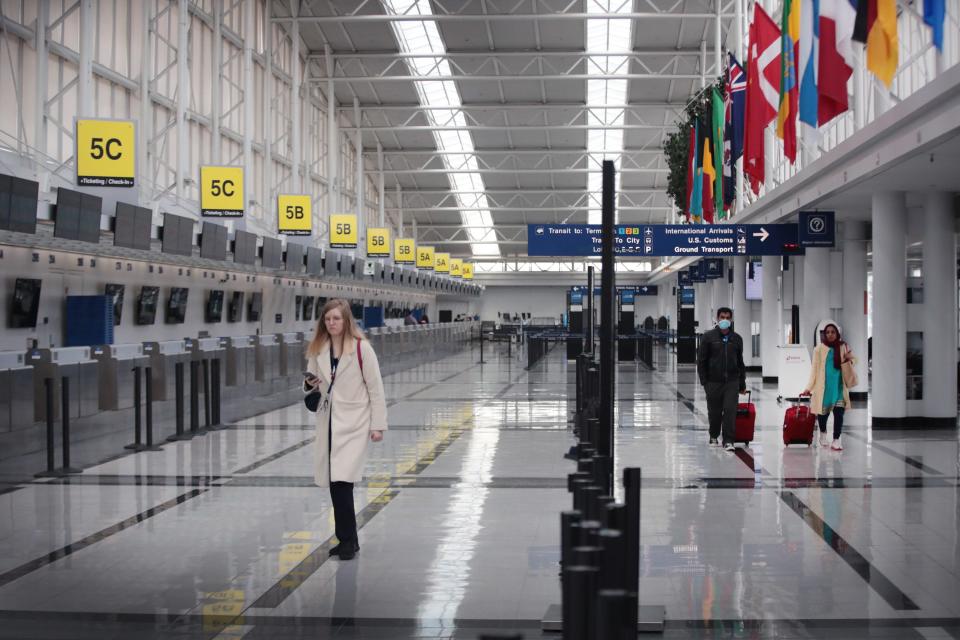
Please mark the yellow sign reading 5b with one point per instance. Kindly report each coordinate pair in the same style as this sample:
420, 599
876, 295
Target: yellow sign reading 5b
343, 231
221, 192
106, 155
378, 242
405, 250
294, 215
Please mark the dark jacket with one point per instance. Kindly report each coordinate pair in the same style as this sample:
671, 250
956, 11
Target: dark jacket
719, 361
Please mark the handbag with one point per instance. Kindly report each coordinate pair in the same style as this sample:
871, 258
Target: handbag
312, 400
849, 374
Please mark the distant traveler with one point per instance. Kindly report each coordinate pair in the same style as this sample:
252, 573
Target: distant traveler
410, 319
827, 389
341, 364
424, 319
723, 376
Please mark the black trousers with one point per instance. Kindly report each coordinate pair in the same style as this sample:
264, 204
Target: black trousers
837, 422
341, 495
722, 408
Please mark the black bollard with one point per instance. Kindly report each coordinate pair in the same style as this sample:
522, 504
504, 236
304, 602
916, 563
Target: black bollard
567, 520
137, 410
65, 424
601, 508
613, 615
631, 487
51, 462
178, 394
601, 470
195, 399
585, 465
613, 574
206, 393
579, 587
616, 517
590, 507
575, 476
579, 497
148, 410
215, 394
592, 429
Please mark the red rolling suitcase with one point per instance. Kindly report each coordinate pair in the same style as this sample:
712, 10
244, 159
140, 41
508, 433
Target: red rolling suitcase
799, 423
745, 421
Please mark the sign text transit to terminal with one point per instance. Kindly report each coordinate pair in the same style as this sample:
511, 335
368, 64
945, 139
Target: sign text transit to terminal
710, 240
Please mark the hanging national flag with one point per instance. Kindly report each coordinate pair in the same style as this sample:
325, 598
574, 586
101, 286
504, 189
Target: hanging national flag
807, 64
691, 166
763, 89
696, 176
837, 18
716, 104
789, 43
876, 25
734, 103
866, 14
934, 12
709, 172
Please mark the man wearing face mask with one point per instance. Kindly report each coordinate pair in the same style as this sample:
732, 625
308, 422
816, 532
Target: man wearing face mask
723, 375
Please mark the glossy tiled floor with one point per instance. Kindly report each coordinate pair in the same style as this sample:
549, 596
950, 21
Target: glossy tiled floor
226, 537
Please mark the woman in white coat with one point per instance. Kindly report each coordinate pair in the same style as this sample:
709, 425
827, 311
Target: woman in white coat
352, 412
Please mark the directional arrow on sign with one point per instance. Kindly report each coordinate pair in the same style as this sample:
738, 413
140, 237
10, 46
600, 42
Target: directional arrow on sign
763, 234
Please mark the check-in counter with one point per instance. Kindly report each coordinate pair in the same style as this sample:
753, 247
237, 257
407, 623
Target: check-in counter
74, 363
163, 357
292, 359
266, 350
240, 360
115, 368
16, 392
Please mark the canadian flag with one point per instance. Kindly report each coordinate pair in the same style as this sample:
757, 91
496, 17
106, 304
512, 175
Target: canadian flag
837, 19
763, 91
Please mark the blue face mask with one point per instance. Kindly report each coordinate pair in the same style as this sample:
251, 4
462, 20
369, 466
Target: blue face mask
724, 324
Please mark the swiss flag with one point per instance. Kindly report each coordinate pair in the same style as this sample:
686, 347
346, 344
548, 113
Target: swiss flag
763, 92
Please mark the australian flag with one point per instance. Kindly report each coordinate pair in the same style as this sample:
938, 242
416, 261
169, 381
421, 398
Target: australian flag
735, 107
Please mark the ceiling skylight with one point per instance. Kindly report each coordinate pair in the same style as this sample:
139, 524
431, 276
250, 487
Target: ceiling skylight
603, 36
444, 100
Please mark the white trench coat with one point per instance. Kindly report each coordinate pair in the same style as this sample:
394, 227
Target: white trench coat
358, 406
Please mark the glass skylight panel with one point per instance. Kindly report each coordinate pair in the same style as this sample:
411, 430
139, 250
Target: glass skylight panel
424, 38
605, 98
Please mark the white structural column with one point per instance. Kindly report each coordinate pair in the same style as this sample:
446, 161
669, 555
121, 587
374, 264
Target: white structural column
889, 308
742, 311
249, 96
399, 191
333, 140
217, 74
183, 96
295, 101
145, 177
816, 293
770, 317
360, 200
269, 85
85, 107
382, 216
853, 314
40, 46
939, 309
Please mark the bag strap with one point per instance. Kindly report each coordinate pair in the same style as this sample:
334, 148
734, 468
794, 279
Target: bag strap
360, 360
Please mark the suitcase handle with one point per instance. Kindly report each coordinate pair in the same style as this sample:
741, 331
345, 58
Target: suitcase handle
747, 393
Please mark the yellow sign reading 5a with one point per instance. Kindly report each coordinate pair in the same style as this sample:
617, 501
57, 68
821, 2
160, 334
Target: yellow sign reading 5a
441, 263
456, 267
343, 231
378, 243
425, 258
294, 215
106, 155
467, 271
221, 192
405, 249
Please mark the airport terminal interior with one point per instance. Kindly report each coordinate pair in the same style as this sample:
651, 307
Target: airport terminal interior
655, 307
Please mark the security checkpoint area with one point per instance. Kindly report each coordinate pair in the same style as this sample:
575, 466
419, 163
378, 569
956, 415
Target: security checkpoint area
479, 319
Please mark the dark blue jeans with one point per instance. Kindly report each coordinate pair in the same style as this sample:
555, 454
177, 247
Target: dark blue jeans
837, 422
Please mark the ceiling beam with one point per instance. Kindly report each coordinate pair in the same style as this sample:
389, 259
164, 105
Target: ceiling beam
382, 18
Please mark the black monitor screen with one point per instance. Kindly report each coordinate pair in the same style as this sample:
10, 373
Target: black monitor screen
314, 261
245, 247
356, 309
177, 235
24, 304
78, 216
321, 301
131, 227
308, 308
256, 306
213, 241
116, 292
331, 263
235, 307
147, 305
18, 204
272, 254
215, 306
294, 257
177, 305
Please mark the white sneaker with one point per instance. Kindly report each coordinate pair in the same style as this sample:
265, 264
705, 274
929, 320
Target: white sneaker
836, 446
729, 446
824, 439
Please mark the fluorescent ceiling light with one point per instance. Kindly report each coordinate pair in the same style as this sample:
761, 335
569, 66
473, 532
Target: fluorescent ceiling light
444, 99
604, 36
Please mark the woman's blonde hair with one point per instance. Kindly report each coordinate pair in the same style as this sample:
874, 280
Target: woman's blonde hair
320, 335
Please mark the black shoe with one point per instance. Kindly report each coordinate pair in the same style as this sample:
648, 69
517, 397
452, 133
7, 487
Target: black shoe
339, 550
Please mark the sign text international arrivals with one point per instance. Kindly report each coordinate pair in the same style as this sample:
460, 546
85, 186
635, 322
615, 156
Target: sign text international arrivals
715, 240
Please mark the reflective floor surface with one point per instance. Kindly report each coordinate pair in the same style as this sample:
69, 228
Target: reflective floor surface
225, 536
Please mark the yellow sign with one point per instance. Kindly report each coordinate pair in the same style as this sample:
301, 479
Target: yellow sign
456, 267
294, 215
425, 258
106, 153
405, 251
467, 271
221, 192
441, 263
378, 243
343, 231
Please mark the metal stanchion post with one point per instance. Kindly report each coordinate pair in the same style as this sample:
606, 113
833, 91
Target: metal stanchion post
137, 409
65, 423
649, 617
178, 382
613, 615
215, 395
579, 587
51, 462
206, 393
149, 412
195, 399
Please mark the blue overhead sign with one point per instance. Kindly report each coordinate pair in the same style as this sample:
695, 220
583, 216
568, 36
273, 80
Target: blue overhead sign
711, 240
816, 229
640, 290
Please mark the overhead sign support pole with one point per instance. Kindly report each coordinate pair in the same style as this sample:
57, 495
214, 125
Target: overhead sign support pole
607, 362
588, 325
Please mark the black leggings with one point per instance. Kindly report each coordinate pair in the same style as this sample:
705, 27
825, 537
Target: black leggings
837, 422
